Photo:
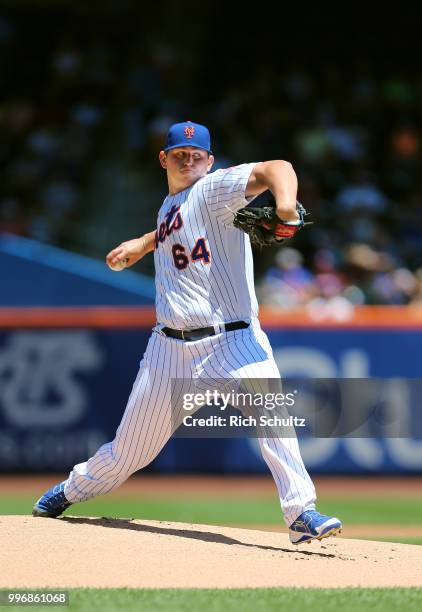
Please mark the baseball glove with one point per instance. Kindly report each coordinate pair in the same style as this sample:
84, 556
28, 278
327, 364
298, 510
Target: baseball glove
265, 228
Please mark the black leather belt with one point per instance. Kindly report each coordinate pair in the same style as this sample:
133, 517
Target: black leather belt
202, 332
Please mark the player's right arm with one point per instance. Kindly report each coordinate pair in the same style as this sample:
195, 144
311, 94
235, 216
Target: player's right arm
131, 251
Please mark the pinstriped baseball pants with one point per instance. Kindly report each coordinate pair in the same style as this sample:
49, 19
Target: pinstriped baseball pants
147, 422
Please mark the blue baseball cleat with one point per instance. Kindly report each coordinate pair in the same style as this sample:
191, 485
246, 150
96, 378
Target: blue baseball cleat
311, 525
52, 503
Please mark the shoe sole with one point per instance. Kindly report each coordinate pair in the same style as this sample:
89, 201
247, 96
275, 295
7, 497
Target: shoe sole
330, 532
36, 512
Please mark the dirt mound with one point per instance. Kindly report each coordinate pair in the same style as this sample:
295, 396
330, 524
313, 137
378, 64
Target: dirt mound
105, 552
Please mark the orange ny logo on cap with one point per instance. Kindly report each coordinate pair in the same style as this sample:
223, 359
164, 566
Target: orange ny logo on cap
189, 131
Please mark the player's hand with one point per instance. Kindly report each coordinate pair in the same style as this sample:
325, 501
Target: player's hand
126, 254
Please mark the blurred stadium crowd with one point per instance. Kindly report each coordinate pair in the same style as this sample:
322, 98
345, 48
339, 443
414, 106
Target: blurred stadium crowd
86, 103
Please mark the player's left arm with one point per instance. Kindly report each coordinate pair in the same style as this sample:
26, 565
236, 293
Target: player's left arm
280, 178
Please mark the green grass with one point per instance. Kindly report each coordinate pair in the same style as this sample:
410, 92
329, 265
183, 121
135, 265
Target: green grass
232, 510
374, 510
246, 600
185, 509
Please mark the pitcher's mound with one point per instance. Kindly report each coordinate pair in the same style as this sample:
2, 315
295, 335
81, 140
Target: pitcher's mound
105, 552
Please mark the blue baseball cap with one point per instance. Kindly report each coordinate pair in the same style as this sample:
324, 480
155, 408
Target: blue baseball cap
188, 134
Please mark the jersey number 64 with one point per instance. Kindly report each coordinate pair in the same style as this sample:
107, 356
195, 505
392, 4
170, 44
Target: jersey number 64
198, 253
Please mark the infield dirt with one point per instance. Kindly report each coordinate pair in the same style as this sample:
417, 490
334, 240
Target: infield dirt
106, 552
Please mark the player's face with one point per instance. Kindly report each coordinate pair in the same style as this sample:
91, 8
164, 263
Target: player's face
185, 165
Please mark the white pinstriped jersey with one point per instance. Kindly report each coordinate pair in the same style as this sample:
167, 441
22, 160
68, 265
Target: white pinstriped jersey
203, 264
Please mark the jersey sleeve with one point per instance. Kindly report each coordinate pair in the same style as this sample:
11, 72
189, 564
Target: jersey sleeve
224, 191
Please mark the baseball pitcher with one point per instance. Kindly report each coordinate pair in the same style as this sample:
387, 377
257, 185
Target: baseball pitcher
207, 319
